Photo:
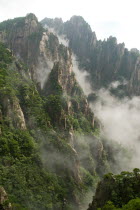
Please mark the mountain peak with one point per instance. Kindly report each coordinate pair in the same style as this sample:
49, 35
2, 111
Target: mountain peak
79, 21
77, 18
31, 16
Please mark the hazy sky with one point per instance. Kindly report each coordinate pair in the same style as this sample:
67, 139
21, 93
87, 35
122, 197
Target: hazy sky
120, 18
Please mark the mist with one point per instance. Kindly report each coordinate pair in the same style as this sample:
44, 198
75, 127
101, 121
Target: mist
81, 76
62, 38
43, 71
120, 120
45, 64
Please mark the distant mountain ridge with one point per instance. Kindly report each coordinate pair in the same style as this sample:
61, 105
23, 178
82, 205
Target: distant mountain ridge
105, 61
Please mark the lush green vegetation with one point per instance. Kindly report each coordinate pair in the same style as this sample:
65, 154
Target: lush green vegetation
133, 204
8, 24
38, 167
118, 191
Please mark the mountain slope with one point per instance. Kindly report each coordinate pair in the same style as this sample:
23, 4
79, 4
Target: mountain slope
50, 156
119, 189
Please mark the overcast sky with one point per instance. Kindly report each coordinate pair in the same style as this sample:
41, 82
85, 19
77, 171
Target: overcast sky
120, 18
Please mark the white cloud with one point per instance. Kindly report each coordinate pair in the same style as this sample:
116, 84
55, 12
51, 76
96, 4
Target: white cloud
120, 119
81, 76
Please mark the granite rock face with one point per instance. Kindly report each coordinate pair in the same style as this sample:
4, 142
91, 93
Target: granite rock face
13, 112
43, 108
105, 61
4, 203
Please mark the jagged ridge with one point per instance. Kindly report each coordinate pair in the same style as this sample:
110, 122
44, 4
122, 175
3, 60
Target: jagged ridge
105, 61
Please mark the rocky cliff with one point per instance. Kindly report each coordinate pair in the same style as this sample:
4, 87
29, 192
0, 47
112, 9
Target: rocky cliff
4, 203
105, 61
51, 152
51, 156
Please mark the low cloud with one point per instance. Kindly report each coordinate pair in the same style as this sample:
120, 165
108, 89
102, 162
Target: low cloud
81, 76
43, 71
120, 119
62, 38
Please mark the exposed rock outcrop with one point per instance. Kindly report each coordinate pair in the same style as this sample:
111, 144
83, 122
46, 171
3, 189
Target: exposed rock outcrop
105, 61
4, 203
13, 112
49, 99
